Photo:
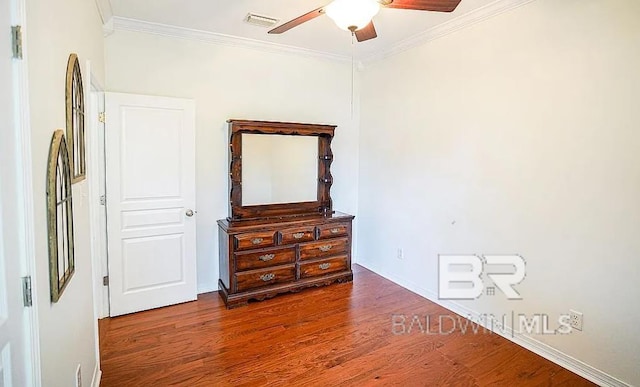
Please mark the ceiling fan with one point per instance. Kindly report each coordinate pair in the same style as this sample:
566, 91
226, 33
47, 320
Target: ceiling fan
356, 15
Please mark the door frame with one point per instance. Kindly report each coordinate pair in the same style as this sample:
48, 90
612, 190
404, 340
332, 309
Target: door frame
24, 188
94, 90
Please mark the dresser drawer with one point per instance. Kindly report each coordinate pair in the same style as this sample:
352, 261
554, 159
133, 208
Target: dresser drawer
333, 230
254, 240
258, 278
325, 248
264, 258
297, 235
323, 267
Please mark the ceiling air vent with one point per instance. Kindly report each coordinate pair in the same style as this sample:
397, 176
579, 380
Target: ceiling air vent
261, 21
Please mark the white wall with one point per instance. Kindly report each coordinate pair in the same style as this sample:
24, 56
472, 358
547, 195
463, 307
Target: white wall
231, 82
516, 135
54, 30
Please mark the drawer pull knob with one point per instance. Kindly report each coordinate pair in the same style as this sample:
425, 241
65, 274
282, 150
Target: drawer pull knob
256, 241
298, 235
325, 247
335, 230
324, 266
266, 257
267, 277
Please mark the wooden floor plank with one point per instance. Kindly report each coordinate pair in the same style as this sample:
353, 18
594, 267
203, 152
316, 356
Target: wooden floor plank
335, 335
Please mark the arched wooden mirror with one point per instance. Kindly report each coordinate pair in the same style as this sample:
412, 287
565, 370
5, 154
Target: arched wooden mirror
59, 216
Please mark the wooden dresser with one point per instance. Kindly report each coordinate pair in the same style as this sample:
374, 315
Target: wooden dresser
262, 260
278, 244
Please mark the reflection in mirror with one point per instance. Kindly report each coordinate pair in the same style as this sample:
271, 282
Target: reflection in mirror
279, 169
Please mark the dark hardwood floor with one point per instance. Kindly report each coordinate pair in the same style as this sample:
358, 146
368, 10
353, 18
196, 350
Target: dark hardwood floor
337, 335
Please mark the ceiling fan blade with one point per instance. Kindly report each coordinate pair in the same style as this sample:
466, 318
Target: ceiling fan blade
366, 33
423, 5
297, 21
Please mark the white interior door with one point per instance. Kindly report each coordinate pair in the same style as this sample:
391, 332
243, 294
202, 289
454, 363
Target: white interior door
14, 358
150, 174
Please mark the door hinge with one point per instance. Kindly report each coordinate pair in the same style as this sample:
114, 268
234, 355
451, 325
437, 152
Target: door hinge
102, 117
103, 200
26, 291
16, 41
105, 280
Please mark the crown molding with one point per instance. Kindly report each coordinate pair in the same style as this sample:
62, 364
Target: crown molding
463, 21
105, 10
125, 24
107, 28
115, 23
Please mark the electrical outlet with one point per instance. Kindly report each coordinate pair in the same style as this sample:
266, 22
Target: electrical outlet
79, 376
575, 319
400, 254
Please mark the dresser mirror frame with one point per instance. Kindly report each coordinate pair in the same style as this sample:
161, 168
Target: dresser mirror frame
323, 204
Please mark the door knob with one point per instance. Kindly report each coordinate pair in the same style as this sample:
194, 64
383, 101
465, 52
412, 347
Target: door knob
189, 213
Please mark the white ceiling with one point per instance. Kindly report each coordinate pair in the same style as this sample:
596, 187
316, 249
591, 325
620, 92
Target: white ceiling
394, 26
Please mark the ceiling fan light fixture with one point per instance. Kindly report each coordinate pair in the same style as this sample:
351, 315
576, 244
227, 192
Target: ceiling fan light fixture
352, 15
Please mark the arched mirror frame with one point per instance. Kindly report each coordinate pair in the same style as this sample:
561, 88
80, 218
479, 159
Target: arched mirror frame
59, 216
321, 206
75, 111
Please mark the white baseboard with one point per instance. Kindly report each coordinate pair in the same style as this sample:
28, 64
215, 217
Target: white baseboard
97, 375
207, 288
548, 352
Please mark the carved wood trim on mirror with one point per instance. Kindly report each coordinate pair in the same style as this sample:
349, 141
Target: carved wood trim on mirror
321, 206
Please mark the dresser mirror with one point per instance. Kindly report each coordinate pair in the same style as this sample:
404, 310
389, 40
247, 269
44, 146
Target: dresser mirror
279, 170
